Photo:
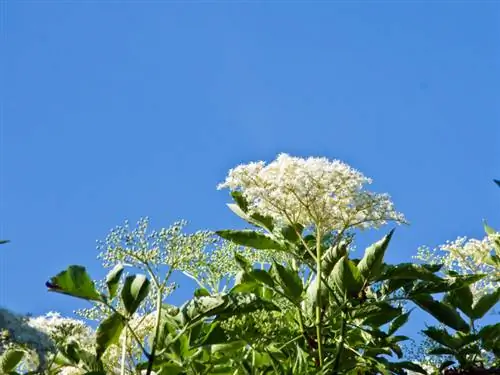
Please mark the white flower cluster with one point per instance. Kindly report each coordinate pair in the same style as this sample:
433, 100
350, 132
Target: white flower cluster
311, 192
466, 256
62, 330
17, 332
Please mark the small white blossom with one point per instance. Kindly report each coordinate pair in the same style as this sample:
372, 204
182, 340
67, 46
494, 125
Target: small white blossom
311, 192
466, 256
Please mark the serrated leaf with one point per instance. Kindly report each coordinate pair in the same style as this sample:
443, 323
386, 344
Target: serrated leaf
262, 276
347, 277
462, 299
370, 265
398, 322
441, 351
112, 280
407, 366
292, 233
289, 280
242, 262
108, 333
441, 336
383, 314
409, 271
76, 282
442, 312
485, 304
135, 290
332, 256
251, 239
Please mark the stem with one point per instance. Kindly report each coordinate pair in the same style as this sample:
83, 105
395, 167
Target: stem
157, 330
124, 352
318, 295
341, 344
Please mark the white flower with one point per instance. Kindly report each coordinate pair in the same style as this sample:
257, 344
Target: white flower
466, 256
61, 329
311, 192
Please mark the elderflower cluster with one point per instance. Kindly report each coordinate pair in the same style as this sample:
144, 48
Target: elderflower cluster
63, 330
17, 332
311, 192
466, 256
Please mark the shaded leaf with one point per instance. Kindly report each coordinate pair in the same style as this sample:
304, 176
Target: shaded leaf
407, 366
347, 277
332, 256
442, 312
251, 239
485, 304
262, 276
108, 333
398, 322
135, 289
462, 299
10, 359
289, 280
112, 280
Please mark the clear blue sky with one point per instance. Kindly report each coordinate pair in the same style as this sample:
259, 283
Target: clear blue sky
116, 111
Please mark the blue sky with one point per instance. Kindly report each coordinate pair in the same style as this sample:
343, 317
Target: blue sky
113, 111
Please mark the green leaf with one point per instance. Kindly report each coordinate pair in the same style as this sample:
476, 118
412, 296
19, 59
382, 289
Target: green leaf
407, 366
441, 351
222, 305
228, 347
247, 286
240, 200
112, 280
408, 271
241, 209
74, 281
242, 262
347, 277
485, 304
462, 299
332, 256
381, 313
4, 242
201, 292
289, 280
370, 265
442, 312
10, 359
108, 333
398, 322
262, 276
292, 233
489, 230
135, 289
251, 239
445, 365
445, 285
442, 337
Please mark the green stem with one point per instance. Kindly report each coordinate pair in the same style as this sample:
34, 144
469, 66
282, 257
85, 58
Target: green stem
318, 296
151, 359
124, 352
340, 346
